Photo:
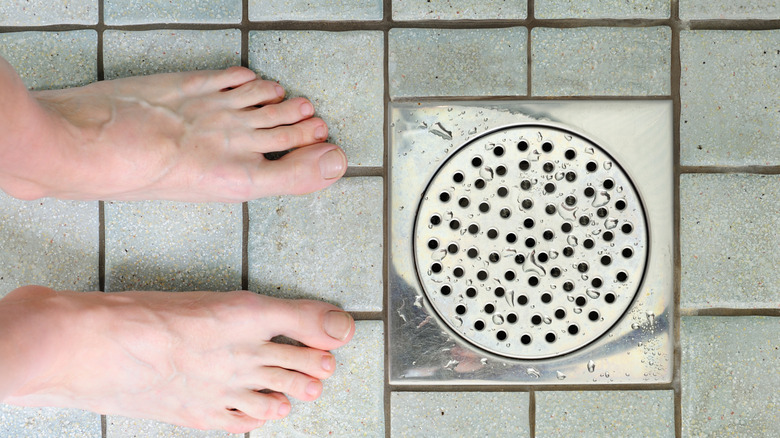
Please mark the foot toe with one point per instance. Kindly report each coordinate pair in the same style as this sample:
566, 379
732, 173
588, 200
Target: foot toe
303, 170
254, 92
284, 113
311, 361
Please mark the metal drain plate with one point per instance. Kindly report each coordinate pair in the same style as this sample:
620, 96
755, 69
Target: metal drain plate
530, 241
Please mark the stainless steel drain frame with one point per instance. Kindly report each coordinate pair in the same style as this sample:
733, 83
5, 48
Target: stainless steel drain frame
426, 350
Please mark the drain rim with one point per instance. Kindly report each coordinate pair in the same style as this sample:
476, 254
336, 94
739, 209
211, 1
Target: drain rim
642, 211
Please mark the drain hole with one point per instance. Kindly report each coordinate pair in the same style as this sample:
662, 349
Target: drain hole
473, 228
602, 212
527, 204
454, 224
484, 207
498, 151
536, 319
555, 272
542, 257
471, 292
505, 213
460, 309
596, 282
560, 313
501, 335
584, 220
494, 257
522, 146
568, 251
606, 260
458, 177
472, 252
444, 197
580, 301
571, 200
622, 276
593, 315
433, 244
458, 272
548, 235
528, 223
501, 170
482, 275
453, 248
525, 184
525, 339
489, 308
608, 236
546, 298
583, 267
479, 183
445, 290
502, 192
568, 286
620, 205
530, 242
549, 187
533, 281
588, 243
589, 192
547, 147
571, 176
436, 268
591, 166
522, 300
570, 154
609, 298
435, 219
492, 233
608, 184
573, 329
509, 275
463, 202
566, 227
524, 165
519, 259
511, 318
548, 167
476, 161
479, 325
499, 292
549, 209
627, 252
627, 228
511, 238
550, 337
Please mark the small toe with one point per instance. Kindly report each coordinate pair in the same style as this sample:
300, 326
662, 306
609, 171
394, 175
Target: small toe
292, 383
262, 405
256, 92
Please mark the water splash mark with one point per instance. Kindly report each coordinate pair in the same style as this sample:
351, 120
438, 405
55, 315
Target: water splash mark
533, 372
591, 366
441, 131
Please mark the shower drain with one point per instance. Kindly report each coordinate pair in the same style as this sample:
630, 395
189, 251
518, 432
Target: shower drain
530, 241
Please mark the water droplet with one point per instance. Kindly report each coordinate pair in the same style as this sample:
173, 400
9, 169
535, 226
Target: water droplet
438, 255
601, 199
508, 252
640, 344
489, 146
486, 173
423, 125
498, 319
535, 156
553, 255
607, 165
578, 310
606, 374
584, 277
591, 366
451, 364
619, 189
533, 372
473, 131
572, 240
650, 317
590, 150
458, 321
593, 293
539, 136
547, 320
449, 109
635, 326
570, 298
610, 223
567, 137
560, 375
483, 361
441, 131
559, 176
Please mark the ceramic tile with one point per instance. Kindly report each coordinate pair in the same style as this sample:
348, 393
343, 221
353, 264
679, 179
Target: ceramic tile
49, 243
728, 91
340, 73
304, 10
601, 61
326, 245
418, 414
121, 427
49, 60
605, 413
730, 369
21, 422
162, 51
602, 9
459, 9
728, 249
173, 246
119, 12
352, 402
46, 12
729, 9
457, 62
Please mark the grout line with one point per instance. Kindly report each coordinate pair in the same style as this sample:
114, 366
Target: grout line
726, 312
415, 99
531, 8
510, 387
359, 171
760, 170
101, 204
245, 246
532, 413
387, 19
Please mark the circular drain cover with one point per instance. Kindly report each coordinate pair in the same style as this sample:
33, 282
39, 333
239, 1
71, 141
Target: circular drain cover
530, 241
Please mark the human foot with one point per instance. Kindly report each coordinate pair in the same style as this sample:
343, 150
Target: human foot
195, 359
197, 136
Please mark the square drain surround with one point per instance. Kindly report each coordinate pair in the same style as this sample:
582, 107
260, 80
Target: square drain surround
530, 242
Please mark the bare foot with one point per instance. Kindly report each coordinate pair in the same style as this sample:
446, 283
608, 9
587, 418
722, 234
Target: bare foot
195, 359
197, 136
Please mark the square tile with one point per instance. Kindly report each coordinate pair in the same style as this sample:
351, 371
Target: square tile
122, 427
605, 413
119, 12
162, 51
340, 73
49, 243
601, 61
602, 9
304, 10
46, 12
49, 60
325, 246
172, 246
352, 401
729, 374
418, 414
459, 9
729, 9
19, 422
728, 91
729, 240
457, 62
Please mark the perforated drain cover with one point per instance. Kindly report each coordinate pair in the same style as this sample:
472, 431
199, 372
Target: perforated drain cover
530, 241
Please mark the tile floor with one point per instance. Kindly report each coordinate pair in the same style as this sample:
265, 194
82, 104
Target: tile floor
716, 60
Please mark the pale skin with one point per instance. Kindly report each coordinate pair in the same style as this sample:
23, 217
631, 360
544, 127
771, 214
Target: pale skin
195, 359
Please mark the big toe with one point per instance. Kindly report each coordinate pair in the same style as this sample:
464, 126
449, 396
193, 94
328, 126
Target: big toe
314, 323
303, 170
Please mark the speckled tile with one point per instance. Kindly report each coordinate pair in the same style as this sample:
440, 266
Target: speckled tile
341, 73
459, 414
306, 10
602, 9
729, 9
729, 240
161, 51
45, 12
21, 422
122, 427
119, 12
49, 243
352, 402
173, 246
601, 61
459, 9
457, 62
605, 414
730, 369
326, 245
728, 91
49, 60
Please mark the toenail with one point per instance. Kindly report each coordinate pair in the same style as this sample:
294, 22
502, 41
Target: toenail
332, 164
279, 91
328, 363
284, 409
313, 388
337, 324
321, 133
307, 109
